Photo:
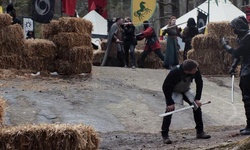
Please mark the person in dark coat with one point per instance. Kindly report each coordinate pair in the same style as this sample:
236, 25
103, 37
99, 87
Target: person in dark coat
188, 33
176, 88
129, 42
152, 43
241, 54
114, 54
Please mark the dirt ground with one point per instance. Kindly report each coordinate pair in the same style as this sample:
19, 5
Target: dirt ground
123, 106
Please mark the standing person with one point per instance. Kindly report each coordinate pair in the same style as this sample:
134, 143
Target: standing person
12, 12
172, 48
241, 53
114, 54
152, 43
129, 42
188, 33
176, 88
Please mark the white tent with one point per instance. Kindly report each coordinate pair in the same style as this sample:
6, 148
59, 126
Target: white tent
100, 24
224, 11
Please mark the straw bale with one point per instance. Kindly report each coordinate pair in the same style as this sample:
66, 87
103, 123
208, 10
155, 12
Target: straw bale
3, 105
71, 39
40, 48
151, 61
49, 137
50, 29
5, 20
140, 45
98, 57
71, 68
39, 63
202, 41
81, 54
212, 62
12, 36
72, 24
220, 29
12, 61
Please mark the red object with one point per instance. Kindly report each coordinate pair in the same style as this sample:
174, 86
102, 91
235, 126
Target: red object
100, 7
93, 7
69, 7
147, 34
247, 9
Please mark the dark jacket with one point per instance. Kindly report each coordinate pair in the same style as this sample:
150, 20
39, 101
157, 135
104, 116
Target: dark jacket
175, 76
129, 34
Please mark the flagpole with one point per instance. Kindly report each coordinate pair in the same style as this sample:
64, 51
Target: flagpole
208, 11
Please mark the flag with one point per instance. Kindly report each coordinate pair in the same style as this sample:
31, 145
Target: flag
1, 9
100, 6
92, 7
69, 7
142, 10
43, 11
201, 20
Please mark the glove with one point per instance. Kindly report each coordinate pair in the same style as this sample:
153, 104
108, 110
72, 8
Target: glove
224, 41
232, 71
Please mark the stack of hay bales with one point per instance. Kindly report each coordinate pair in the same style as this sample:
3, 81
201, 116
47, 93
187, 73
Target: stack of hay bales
72, 37
209, 52
49, 137
11, 44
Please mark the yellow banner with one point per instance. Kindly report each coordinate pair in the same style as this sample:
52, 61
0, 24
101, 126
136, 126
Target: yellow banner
1, 9
142, 10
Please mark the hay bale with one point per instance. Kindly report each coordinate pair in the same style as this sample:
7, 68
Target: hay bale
13, 61
40, 48
202, 41
212, 62
71, 39
11, 37
48, 30
49, 136
151, 61
78, 25
68, 68
219, 29
3, 105
81, 54
5, 20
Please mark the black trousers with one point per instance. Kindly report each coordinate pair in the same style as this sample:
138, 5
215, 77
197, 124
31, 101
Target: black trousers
245, 91
197, 118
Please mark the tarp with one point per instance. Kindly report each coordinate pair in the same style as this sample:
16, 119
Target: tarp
100, 24
224, 11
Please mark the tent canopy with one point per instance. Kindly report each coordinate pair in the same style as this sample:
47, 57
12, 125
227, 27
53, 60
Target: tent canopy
224, 11
100, 24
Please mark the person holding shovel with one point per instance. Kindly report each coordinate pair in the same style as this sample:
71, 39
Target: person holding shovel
176, 88
241, 53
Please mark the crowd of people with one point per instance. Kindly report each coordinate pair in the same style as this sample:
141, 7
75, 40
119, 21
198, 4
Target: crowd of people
122, 41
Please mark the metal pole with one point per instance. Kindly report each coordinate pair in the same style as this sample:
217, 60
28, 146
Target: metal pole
208, 11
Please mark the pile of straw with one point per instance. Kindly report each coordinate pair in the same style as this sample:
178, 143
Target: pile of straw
98, 57
209, 52
48, 30
49, 137
73, 39
3, 105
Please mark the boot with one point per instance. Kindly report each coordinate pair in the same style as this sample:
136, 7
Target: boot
202, 135
166, 140
245, 131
